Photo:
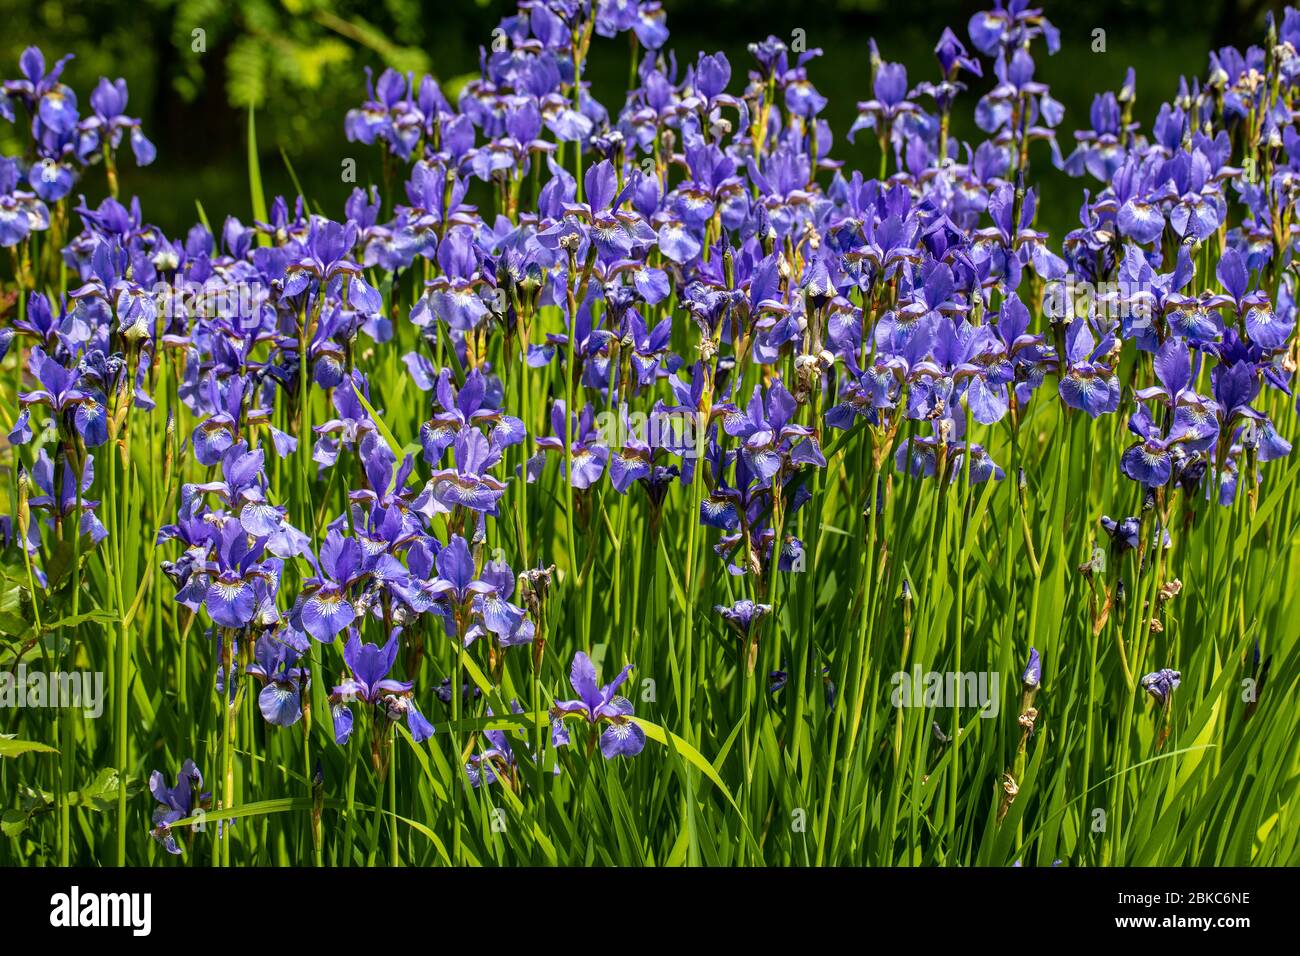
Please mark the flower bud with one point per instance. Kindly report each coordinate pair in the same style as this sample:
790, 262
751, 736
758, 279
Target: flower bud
1033, 674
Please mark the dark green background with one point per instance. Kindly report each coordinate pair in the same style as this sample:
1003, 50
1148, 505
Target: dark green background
300, 62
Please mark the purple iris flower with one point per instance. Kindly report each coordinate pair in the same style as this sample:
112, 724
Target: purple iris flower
462, 408
648, 347
53, 105
590, 454
350, 427
243, 489
597, 704
1265, 327
214, 435
456, 582
188, 573
952, 55
1162, 684
494, 761
284, 683
485, 597
43, 477
1150, 460
1125, 532
1235, 385
453, 297
513, 152
1195, 423
961, 353
890, 101
1019, 95
650, 26
709, 78
175, 803
325, 607
1012, 245
493, 608
468, 692
497, 761
599, 219
1022, 359
51, 179
864, 394
1140, 218
436, 197
109, 122
40, 323
1196, 203
743, 615
387, 494
1012, 24
468, 484
376, 240
27, 90
375, 119
369, 683
238, 577
325, 354
1156, 296
771, 439
61, 391
713, 189
743, 501
20, 214
1101, 149
1088, 381
325, 261
638, 458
